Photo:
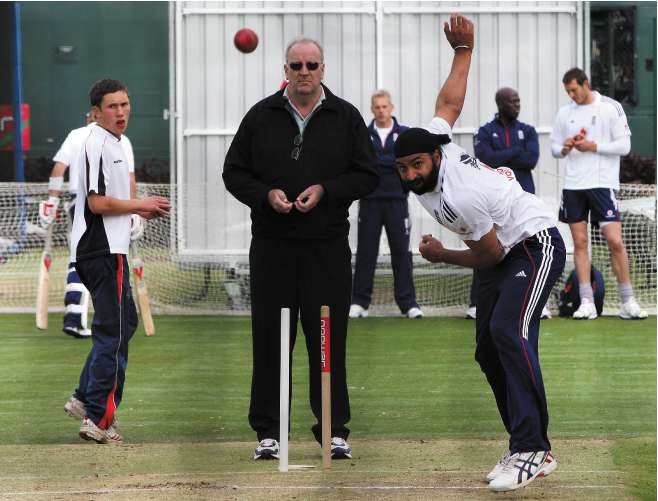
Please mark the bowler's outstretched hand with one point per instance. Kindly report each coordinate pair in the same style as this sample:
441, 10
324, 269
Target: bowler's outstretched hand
459, 32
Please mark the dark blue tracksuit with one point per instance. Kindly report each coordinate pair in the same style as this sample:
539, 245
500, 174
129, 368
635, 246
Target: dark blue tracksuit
510, 299
115, 320
386, 206
515, 146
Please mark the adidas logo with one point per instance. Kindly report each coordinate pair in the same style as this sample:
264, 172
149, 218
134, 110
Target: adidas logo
521, 274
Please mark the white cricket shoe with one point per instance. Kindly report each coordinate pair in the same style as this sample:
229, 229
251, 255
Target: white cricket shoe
89, 431
358, 311
77, 332
498, 469
630, 310
586, 311
113, 436
268, 448
521, 469
75, 408
549, 466
414, 312
340, 449
471, 312
546, 313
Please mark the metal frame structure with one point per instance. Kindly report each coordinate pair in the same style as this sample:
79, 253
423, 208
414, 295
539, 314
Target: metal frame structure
378, 9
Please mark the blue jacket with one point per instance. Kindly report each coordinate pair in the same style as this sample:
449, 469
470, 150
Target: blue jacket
390, 185
515, 146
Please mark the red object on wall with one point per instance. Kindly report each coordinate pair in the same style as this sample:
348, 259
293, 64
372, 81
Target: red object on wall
7, 127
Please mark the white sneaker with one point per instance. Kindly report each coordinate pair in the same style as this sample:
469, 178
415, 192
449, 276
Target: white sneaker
75, 408
521, 469
545, 313
113, 436
549, 466
471, 312
340, 449
414, 312
268, 448
358, 311
77, 332
89, 431
498, 469
586, 311
630, 310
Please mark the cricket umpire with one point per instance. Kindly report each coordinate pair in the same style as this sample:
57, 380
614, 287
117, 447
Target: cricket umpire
299, 159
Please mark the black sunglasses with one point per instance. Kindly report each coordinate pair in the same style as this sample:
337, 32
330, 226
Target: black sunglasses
310, 66
298, 145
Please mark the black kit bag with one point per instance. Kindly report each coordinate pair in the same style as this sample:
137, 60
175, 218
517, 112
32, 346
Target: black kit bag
570, 294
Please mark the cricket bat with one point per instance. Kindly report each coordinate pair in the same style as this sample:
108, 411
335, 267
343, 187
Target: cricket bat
325, 368
44, 280
142, 293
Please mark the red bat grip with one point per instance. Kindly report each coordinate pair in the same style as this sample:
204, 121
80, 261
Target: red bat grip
325, 340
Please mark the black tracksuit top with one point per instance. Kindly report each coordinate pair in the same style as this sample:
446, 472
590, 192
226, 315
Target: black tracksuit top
336, 152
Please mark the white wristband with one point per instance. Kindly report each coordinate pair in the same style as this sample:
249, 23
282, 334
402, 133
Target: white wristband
462, 47
55, 183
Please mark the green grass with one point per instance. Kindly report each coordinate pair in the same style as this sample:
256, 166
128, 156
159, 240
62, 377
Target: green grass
409, 381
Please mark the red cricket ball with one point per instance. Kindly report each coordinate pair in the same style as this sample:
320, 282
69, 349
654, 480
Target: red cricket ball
245, 40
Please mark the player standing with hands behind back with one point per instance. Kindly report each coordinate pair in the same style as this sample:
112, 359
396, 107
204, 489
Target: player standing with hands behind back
100, 240
512, 240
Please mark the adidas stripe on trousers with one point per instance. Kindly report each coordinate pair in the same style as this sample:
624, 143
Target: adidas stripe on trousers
510, 300
115, 320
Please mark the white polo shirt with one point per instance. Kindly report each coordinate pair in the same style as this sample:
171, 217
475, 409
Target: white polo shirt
69, 153
105, 172
604, 121
471, 198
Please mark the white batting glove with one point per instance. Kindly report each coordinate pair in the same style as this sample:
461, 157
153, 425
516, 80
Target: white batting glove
48, 211
136, 227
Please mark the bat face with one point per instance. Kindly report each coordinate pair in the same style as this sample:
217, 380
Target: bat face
42, 291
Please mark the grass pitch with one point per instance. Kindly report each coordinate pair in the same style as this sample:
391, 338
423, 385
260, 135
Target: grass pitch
424, 423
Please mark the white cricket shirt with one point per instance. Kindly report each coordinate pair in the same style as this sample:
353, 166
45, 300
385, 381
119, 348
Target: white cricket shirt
105, 171
69, 153
471, 198
604, 121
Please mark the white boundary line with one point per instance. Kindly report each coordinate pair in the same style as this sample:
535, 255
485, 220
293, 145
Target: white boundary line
310, 471
289, 488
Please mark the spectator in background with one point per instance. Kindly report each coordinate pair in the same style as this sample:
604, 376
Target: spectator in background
507, 142
387, 206
592, 133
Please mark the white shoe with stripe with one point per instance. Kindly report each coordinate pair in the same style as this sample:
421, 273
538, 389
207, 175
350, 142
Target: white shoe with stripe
521, 469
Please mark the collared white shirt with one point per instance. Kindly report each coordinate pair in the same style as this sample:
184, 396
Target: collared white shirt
69, 153
604, 121
302, 121
471, 198
104, 171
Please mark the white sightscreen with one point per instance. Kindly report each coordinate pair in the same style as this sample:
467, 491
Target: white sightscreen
399, 46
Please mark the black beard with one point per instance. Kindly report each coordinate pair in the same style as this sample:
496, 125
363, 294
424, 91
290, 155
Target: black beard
422, 185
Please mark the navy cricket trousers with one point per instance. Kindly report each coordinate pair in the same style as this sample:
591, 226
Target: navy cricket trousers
510, 300
393, 215
115, 320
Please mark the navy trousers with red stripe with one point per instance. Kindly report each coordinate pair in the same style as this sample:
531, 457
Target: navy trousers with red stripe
115, 320
510, 300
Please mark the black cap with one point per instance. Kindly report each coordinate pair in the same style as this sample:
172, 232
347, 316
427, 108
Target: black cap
417, 140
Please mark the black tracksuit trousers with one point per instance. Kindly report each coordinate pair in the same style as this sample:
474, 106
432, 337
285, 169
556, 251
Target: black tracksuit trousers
301, 275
